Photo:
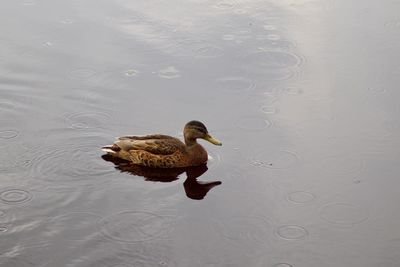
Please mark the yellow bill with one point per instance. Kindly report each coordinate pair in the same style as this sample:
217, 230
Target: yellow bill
212, 140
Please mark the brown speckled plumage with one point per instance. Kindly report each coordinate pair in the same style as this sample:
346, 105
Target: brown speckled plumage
163, 151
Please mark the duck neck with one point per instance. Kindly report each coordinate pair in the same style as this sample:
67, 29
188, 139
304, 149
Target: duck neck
190, 141
196, 152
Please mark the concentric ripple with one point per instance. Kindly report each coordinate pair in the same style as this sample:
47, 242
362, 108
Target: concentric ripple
74, 163
87, 120
8, 134
291, 232
245, 229
3, 228
225, 4
301, 197
169, 73
15, 196
235, 84
274, 59
273, 65
253, 123
343, 213
276, 159
269, 110
135, 226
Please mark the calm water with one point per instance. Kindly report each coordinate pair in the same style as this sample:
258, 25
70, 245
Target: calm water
303, 95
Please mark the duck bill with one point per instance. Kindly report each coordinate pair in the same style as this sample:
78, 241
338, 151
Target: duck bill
212, 140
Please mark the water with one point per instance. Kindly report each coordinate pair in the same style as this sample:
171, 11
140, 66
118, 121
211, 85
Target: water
302, 94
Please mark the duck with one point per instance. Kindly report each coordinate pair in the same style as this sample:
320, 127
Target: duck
164, 151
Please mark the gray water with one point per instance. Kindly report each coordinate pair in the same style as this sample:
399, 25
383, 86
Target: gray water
302, 94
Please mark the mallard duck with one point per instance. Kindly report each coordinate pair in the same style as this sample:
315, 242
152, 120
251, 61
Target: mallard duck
163, 151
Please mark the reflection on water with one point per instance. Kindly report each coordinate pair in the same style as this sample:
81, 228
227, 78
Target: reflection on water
193, 188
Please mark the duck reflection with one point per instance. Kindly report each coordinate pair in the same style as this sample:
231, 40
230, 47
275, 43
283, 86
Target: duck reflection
193, 188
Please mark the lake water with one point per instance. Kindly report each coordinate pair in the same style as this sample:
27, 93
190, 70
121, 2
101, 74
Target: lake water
303, 95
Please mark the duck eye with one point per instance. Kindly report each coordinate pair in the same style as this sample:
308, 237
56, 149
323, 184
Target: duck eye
201, 130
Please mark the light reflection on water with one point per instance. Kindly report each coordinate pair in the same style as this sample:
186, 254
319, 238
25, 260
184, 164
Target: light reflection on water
301, 93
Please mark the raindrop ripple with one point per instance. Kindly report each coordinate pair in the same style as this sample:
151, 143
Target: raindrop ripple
135, 226
15, 196
291, 232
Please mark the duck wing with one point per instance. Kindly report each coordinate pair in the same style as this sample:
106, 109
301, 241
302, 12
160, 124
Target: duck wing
156, 144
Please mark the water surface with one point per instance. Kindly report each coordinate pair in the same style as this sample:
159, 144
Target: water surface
303, 95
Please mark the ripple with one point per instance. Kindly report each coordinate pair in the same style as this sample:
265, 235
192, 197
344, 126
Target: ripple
271, 59
276, 159
87, 120
392, 24
341, 165
131, 72
253, 123
245, 229
82, 74
235, 84
214, 159
232, 174
3, 228
209, 51
225, 4
8, 134
48, 44
273, 65
376, 90
291, 232
130, 19
73, 226
198, 48
2, 213
15, 196
228, 37
115, 80
273, 37
240, 11
343, 213
301, 197
272, 43
269, 110
292, 91
67, 21
28, 3
282, 264
14, 159
6, 105
169, 73
74, 163
269, 27
135, 226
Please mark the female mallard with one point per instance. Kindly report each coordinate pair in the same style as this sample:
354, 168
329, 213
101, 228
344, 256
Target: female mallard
163, 151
